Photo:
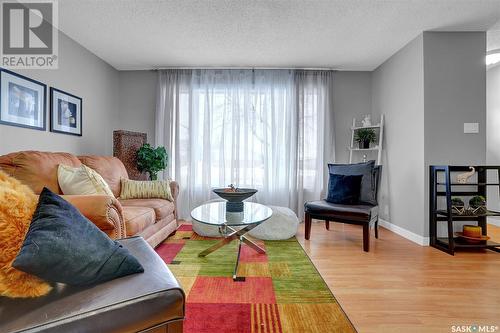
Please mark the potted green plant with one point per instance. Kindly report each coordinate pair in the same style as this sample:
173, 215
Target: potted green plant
365, 136
478, 204
457, 206
151, 160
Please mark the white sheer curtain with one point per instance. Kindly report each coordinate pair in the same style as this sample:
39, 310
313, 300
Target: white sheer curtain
266, 129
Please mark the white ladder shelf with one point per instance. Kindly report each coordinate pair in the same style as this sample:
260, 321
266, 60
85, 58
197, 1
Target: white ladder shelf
377, 148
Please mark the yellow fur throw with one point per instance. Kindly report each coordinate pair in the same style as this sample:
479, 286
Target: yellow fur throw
17, 205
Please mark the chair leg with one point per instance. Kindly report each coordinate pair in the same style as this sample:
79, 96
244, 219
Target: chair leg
307, 221
366, 237
376, 228
327, 224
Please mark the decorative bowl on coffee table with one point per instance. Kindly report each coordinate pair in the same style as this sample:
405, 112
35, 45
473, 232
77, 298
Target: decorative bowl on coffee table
234, 197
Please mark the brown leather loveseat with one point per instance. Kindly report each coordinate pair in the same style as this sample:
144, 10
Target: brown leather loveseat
153, 219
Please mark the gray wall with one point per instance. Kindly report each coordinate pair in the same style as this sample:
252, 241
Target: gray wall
351, 99
83, 74
137, 97
427, 91
455, 93
492, 130
398, 93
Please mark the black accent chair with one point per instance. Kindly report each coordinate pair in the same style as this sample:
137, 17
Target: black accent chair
365, 215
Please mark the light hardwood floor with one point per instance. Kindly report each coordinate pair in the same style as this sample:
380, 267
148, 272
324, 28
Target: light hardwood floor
400, 286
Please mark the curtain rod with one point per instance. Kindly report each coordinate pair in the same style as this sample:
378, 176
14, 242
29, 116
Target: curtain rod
283, 68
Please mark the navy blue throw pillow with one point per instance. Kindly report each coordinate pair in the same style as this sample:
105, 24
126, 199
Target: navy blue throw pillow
368, 194
63, 246
344, 189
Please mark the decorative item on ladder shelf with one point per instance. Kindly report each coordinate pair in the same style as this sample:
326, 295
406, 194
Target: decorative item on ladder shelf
366, 138
457, 206
367, 121
464, 177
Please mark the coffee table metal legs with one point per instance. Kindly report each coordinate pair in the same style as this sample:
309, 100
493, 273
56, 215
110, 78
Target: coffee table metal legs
235, 274
228, 238
216, 246
252, 245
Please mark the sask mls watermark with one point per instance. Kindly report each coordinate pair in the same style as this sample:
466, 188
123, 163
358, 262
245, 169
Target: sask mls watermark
29, 38
474, 329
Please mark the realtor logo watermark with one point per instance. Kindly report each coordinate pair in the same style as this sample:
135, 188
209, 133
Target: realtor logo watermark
29, 38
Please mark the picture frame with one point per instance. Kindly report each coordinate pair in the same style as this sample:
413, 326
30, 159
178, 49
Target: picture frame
22, 101
65, 112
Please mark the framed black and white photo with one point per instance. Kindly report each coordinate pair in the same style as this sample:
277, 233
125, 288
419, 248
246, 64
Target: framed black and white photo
22, 101
65, 112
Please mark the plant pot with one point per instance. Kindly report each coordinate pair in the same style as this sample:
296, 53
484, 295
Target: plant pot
458, 210
364, 144
478, 210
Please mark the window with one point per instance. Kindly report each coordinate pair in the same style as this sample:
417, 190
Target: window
256, 129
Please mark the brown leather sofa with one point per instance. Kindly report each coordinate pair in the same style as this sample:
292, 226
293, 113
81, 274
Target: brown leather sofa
150, 302
153, 219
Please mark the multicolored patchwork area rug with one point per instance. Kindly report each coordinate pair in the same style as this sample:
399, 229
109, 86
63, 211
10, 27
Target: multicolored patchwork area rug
282, 290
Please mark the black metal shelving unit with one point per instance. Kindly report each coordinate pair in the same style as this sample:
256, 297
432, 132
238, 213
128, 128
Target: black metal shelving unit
441, 186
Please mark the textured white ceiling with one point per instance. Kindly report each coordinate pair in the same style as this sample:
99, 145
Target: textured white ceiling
347, 34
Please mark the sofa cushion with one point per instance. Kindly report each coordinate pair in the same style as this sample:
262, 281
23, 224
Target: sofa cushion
110, 168
63, 246
149, 189
81, 181
37, 169
162, 208
137, 219
352, 212
368, 193
344, 189
17, 204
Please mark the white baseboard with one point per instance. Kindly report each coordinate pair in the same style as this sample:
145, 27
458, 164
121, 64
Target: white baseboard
420, 240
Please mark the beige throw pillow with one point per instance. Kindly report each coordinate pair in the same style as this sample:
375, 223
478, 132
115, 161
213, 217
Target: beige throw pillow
82, 180
133, 189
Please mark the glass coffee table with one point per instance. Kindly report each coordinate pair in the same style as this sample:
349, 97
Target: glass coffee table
232, 225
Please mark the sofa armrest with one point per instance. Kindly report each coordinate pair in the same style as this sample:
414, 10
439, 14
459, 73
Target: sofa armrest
102, 210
